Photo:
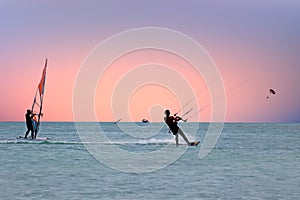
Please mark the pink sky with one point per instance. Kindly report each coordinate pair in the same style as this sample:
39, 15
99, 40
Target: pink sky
256, 41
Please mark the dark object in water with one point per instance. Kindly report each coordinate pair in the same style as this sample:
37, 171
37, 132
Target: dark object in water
145, 121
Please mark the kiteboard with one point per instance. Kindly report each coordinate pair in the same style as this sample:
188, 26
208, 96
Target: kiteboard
195, 143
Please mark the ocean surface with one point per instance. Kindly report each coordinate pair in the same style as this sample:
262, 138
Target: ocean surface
141, 161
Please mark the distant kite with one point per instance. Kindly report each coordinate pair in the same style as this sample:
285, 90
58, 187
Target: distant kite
272, 92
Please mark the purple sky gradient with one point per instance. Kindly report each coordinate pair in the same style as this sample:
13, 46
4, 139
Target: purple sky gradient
251, 39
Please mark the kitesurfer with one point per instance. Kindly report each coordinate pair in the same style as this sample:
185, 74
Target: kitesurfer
171, 121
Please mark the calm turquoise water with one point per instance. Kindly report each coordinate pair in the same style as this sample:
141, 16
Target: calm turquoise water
249, 161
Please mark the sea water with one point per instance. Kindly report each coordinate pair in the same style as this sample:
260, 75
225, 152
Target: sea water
249, 161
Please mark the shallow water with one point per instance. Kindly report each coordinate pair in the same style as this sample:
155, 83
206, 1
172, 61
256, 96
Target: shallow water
249, 161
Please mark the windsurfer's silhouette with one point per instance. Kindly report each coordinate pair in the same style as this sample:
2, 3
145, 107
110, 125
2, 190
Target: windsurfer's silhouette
29, 117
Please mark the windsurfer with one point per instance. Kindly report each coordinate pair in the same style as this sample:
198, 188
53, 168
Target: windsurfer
172, 123
29, 117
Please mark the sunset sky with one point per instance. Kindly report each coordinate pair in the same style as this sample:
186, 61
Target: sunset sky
254, 44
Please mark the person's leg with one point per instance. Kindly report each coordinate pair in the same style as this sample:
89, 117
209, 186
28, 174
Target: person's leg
176, 139
32, 133
26, 133
183, 136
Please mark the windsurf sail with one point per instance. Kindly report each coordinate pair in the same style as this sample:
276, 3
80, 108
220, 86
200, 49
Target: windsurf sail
37, 105
117, 121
